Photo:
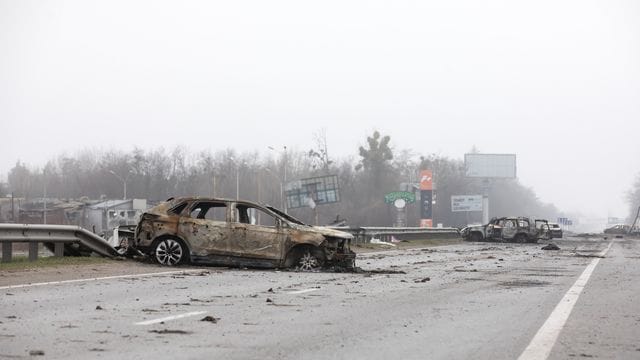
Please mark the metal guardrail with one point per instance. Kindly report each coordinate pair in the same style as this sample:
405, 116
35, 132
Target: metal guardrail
363, 235
60, 239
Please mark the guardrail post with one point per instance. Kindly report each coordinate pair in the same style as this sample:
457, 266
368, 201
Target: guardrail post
33, 251
58, 249
6, 251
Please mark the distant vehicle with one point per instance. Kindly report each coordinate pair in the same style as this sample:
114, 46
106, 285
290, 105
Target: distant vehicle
237, 233
555, 230
622, 229
510, 229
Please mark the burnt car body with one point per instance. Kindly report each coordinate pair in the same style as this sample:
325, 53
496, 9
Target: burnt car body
511, 229
237, 233
622, 229
556, 230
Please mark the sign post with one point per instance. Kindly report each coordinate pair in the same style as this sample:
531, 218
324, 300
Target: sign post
426, 198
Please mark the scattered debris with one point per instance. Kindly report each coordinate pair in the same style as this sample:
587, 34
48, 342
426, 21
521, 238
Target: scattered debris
204, 301
523, 283
466, 270
150, 310
167, 331
36, 353
269, 300
274, 304
97, 350
270, 290
99, 307
422, 280
551, 247
380, 242
210, 319
588, 255
381, 271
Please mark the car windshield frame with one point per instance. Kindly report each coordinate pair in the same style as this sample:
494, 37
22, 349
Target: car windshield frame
286, 216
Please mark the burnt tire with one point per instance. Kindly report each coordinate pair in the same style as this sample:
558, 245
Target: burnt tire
169, 252
476, 237
309, 259
521, 238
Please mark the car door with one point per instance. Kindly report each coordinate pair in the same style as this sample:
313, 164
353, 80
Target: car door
205, 227
509, 228
256, 233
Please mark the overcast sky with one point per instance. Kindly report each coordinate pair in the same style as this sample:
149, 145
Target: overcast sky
555, 82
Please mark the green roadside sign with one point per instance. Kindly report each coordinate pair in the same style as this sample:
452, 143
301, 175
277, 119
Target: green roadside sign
391, 197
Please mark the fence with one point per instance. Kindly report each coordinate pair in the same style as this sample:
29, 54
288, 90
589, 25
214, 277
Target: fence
60, 239
364, 235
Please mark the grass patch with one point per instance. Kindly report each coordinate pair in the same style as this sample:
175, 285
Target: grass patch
23, 263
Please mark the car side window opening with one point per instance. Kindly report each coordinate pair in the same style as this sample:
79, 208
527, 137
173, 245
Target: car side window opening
178, 208
209, 211
254, 216
509, 224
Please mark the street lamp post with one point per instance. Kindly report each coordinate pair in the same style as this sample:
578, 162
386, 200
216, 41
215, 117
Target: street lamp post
237, 176
124, 183
280, 181
284, 176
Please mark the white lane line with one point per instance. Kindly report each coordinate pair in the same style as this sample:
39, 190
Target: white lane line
302, 291
540, 346
99, 278
170, 318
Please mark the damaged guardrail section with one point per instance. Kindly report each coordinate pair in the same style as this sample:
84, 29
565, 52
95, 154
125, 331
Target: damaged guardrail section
62, 240
363, 235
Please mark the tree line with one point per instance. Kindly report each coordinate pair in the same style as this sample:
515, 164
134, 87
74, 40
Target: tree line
364, 179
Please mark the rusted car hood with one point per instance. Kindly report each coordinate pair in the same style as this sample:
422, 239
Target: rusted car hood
332, 232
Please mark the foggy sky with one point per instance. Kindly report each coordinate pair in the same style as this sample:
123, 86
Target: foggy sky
555, 82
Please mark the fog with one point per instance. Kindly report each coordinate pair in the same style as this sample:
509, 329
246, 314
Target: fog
555, 82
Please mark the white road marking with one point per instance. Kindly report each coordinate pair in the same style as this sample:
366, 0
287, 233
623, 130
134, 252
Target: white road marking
302, 291
99, 278
540, 346
170, 318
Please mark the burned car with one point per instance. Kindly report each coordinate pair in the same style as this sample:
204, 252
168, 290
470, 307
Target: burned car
237, 233
511, 229
556, 230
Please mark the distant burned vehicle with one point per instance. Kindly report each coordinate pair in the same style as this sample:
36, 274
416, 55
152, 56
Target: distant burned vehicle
555, 230
237, 233
511, 229
622, 229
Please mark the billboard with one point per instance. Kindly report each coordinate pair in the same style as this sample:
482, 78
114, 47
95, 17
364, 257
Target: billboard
466, 203
490, 165
312, 191
426, 180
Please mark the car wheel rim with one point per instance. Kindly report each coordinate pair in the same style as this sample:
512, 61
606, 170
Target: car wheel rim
169, 252
308, 262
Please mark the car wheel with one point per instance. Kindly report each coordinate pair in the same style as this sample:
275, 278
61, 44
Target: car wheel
521, 238
309, 260
169, 252
476, 237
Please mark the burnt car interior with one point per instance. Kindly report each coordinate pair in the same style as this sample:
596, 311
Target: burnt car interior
216, 211
250, 215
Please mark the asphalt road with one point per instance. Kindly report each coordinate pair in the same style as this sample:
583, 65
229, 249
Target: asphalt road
466, 301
